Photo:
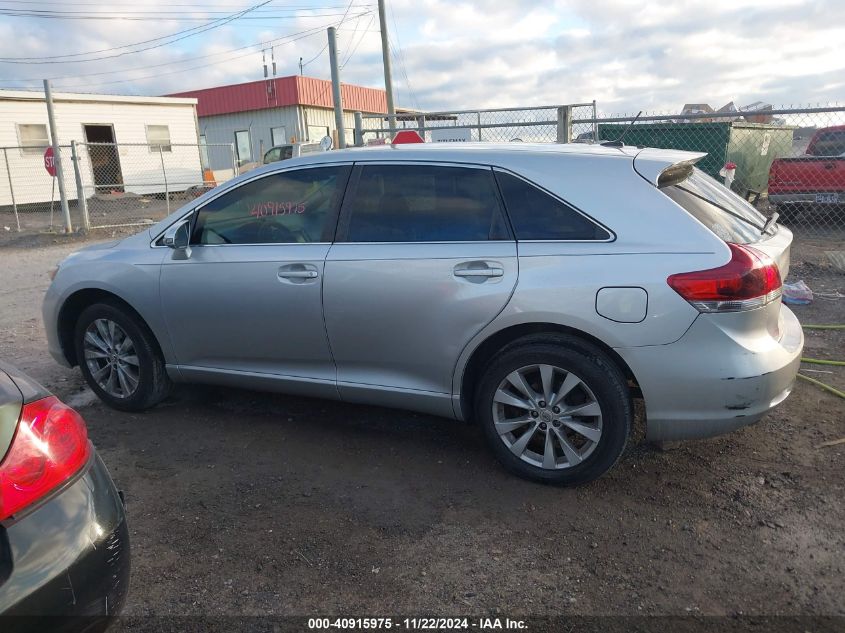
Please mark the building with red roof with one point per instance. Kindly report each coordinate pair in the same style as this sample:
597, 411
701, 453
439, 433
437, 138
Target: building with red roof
258, 115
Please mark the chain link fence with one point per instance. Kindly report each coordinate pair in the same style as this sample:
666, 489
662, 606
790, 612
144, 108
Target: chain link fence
789, 161
542, 124
107, 184
785, 160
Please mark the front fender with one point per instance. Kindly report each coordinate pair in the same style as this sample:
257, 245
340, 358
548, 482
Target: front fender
133, 279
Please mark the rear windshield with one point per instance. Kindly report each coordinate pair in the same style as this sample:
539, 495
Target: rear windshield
718, 208
828, 144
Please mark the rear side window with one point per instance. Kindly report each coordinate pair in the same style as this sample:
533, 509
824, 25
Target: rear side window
424, 203
536, 215
718, 208
828, 144
286, 208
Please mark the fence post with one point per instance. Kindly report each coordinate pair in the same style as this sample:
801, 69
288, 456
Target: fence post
479, 125
164, 173
80, 191
11, 189
421, 125
564, 124
359, 129
236, 170
595, 123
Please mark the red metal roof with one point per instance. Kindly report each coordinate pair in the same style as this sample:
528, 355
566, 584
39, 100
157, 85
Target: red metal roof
283, 91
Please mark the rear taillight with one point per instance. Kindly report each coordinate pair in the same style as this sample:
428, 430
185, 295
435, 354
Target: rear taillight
749, 280
49, 447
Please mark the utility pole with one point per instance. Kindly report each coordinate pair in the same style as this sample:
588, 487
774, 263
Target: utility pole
388, 74
336, 97
57, 157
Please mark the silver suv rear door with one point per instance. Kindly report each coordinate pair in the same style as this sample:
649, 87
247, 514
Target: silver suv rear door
423, 260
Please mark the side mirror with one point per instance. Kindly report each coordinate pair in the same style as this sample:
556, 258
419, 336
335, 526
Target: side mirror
177, 237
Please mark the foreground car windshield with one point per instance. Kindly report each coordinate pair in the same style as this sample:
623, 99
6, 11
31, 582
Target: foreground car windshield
718, 208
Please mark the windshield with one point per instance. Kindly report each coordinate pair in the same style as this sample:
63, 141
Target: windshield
718, 208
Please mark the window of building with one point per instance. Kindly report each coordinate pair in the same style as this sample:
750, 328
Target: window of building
536, 215
278, 135
292, 207
33, 137
204, 152
317, 132
158, 138
425, 203
243, 147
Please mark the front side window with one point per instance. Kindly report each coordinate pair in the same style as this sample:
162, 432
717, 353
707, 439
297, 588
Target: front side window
158, 138
33, 137
536, 215
424, 203
294, 207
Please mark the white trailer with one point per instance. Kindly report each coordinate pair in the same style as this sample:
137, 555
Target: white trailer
127, 144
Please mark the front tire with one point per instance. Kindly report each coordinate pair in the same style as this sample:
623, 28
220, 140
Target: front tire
554, 409
120, 358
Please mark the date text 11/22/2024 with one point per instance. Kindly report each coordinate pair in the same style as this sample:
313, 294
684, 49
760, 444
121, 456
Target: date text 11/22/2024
417, 624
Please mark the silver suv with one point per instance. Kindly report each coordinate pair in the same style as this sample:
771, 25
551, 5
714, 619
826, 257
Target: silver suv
535, 289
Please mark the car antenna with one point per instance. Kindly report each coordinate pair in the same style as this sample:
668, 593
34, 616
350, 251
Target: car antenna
618, 142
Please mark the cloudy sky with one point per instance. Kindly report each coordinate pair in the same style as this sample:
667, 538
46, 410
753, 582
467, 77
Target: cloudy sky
627, 55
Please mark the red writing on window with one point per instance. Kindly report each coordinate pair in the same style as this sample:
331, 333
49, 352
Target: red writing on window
263, 209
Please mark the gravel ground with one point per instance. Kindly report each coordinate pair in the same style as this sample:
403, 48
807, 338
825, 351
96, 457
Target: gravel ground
253, 504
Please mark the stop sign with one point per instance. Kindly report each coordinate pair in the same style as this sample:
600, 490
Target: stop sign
50, 161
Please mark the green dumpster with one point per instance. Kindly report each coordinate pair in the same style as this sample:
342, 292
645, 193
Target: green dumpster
752, 146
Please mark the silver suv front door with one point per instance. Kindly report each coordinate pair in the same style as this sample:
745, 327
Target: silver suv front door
248, 299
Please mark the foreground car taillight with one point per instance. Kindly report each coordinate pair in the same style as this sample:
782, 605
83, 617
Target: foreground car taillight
749, 280
49, 447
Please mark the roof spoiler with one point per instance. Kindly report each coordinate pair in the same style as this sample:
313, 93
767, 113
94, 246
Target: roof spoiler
662, 167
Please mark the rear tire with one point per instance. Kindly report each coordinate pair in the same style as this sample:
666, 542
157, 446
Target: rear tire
554, 409
120, 358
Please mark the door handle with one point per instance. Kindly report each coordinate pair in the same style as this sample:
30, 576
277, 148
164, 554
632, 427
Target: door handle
298, 274
479, 272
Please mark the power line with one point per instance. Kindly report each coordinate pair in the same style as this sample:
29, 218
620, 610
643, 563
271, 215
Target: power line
154, 17
202, 6
277, 41
400, 57
102, 50
360, 39
183, 36
273, 42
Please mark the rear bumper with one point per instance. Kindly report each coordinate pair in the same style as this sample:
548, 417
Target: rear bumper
65, 565
712, 380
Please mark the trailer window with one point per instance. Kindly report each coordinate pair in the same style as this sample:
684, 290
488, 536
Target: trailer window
158, 138
33, 137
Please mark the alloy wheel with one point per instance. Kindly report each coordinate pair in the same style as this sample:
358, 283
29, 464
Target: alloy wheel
547, 416
111, 358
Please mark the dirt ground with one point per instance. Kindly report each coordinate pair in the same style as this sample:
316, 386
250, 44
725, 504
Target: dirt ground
248, 503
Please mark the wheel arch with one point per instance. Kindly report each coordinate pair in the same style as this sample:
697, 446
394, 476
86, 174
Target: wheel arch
72, 308
500, 340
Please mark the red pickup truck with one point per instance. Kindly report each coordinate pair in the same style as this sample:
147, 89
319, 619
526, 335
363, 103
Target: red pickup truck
814, 180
